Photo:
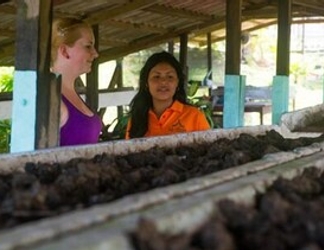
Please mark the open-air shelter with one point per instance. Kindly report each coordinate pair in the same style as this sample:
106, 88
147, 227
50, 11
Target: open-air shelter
123, 27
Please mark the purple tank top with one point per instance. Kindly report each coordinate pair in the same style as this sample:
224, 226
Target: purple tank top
79, 128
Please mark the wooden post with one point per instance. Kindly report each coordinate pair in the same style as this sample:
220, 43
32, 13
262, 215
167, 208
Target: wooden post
234, 87
209, 55
92, 92
171, 47
183, 57
280, 90
35, 121
233, 37
120, 84
283, 41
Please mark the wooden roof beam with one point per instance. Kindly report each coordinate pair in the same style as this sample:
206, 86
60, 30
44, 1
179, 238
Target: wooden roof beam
4, 1
259, 26
111, 42
7, 49
149, 41
8, 9
7, 33
101, 15
314, 11
260, 13
140, 26
178, 12
309, 4
272, 12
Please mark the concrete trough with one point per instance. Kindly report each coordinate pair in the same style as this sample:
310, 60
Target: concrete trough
174, 208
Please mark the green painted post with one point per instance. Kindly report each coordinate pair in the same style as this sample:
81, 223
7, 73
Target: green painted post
280, 97
234, 94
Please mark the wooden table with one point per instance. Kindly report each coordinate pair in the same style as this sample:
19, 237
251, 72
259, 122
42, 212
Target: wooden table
259, 107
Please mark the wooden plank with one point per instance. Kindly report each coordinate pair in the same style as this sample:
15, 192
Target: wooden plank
107, 99
117, 98
116, 79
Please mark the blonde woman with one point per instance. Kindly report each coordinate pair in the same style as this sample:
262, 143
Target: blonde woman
72, 55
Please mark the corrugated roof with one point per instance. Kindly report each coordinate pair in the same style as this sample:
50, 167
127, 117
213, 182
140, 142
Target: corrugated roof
126, 26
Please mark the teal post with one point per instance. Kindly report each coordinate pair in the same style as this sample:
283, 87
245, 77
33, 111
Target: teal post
280, 97
23, 112
234, 95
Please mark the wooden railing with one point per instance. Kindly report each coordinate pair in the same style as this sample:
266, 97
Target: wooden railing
107, 98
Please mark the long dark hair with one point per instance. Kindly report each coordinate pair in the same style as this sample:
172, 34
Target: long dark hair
142, 101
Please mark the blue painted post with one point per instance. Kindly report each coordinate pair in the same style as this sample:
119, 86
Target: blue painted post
234, 95
280, 97
23, 111
31, 124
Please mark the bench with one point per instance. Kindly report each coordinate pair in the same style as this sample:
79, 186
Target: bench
259, 107
257, 99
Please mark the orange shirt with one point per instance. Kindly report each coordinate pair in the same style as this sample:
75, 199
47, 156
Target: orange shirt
178, 118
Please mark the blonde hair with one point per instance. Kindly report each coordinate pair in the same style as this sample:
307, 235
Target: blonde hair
67, 31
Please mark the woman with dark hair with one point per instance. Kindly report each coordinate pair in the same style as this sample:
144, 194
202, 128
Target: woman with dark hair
160, 107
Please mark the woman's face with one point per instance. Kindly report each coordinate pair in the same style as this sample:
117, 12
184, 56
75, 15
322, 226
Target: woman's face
83, 52
163, 82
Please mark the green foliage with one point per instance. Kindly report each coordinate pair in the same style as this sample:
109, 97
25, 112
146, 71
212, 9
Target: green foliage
5, 128
201, 102
193, 87
119, 130
297, 70
6, 85
6, 79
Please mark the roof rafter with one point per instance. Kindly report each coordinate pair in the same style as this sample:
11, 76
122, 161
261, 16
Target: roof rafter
150, 41
310, 4
141, 26
102, 15
178, 12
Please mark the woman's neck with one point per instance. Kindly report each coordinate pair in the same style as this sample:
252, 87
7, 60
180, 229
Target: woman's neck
68, 79
68, 84
160, 106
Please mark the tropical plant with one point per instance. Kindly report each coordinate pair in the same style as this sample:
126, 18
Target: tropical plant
5, 129
202, 102
6, 79
119, 131
6, 85
297, 70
